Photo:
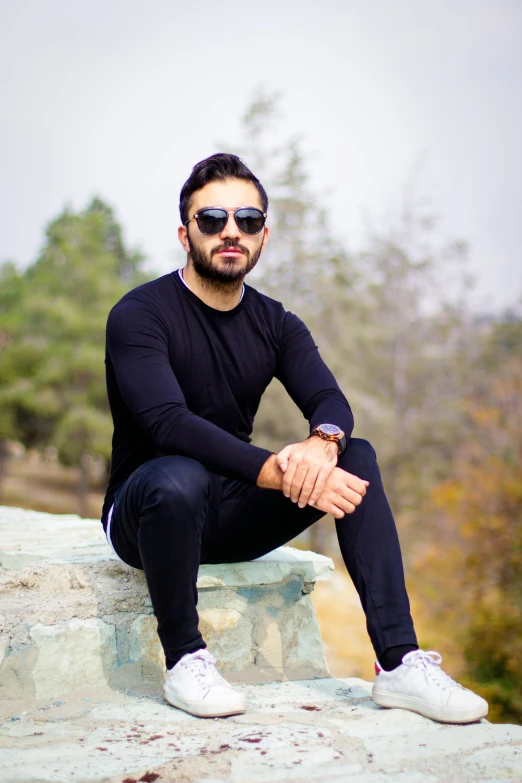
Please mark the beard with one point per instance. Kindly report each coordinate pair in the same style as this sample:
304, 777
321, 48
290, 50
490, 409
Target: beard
228, 275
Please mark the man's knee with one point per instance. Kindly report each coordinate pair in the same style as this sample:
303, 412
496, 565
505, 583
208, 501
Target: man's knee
362, 448
359, 452
174, 478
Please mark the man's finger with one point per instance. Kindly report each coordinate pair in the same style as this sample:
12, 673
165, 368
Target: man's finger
341, 488
355, 483
297, 482
309, 484
355, 498
283, 457
339, 509
344, 506
320, 484
288, 477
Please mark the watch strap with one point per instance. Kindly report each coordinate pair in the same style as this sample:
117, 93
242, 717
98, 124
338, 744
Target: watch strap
340, 440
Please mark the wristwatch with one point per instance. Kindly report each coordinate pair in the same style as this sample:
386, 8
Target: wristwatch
331, 432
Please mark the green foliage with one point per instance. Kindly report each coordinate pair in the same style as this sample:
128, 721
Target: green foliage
52, 334
83, 430
493, 650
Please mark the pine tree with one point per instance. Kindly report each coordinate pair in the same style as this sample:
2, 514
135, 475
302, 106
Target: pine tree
52, 322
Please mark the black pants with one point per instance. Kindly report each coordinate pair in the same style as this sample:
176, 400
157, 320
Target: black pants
173, 514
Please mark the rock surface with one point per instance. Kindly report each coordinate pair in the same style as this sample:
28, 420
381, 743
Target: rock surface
81, 673
323, 730
62, 589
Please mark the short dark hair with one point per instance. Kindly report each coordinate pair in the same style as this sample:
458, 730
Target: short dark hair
220, 166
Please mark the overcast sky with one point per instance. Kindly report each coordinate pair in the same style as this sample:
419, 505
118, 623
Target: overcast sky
121, 97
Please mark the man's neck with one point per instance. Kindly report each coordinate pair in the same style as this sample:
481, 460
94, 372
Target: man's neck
217, 295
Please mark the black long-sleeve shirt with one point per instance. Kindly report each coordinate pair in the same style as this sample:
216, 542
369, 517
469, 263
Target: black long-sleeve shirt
184, 378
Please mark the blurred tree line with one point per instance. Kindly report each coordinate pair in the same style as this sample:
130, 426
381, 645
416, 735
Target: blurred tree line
435, 388
470, 569
52, 339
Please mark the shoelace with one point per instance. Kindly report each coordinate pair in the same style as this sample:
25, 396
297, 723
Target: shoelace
201, 664
429, 661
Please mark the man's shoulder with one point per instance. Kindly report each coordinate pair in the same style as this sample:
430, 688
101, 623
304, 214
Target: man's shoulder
275, 310
264, 302
151, 293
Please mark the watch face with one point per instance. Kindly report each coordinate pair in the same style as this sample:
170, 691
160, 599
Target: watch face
329, 429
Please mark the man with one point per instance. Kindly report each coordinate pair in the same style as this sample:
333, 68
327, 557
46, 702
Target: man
189, 356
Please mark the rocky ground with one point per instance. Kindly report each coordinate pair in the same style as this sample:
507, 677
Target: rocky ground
72, 714
316, 730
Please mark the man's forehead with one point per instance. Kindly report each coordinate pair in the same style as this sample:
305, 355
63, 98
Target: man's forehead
228, 193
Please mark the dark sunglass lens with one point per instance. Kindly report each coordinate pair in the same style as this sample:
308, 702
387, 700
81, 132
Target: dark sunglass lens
212, 221
250, 221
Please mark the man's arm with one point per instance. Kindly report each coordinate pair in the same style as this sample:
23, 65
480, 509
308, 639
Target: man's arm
306, 467
341, 495
308, 380
137, 347
313, 388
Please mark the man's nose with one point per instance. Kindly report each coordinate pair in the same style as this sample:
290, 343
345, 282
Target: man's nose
230, 231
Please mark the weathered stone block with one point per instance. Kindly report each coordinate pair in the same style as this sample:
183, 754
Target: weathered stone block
72, 654
228, 633
301, 641
72, 611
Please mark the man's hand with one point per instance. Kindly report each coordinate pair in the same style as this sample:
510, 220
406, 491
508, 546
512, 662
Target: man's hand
306, 467
342, 494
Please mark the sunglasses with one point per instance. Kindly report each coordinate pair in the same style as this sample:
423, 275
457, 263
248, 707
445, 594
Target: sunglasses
212, 220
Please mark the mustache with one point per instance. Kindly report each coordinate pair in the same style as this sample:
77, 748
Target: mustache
231, 246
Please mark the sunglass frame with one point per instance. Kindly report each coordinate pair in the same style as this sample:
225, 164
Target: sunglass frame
228, 212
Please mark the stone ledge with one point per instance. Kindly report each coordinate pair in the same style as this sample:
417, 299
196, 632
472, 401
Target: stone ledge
58, 596
35, 537
268, 569
319, 731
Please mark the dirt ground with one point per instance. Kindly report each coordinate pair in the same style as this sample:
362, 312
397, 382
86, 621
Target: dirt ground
44, 485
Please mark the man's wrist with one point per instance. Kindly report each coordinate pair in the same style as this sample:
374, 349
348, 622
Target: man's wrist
270, 476
330, 446
331, 433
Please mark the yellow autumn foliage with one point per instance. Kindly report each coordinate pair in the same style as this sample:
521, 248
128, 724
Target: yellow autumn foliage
472, 569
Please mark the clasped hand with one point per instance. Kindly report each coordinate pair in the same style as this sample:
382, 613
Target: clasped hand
310, 477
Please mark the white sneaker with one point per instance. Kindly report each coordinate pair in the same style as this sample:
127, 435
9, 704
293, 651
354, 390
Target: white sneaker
195, 685
420, 685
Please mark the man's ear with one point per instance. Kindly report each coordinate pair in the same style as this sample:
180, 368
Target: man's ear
183, 238
265, 238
